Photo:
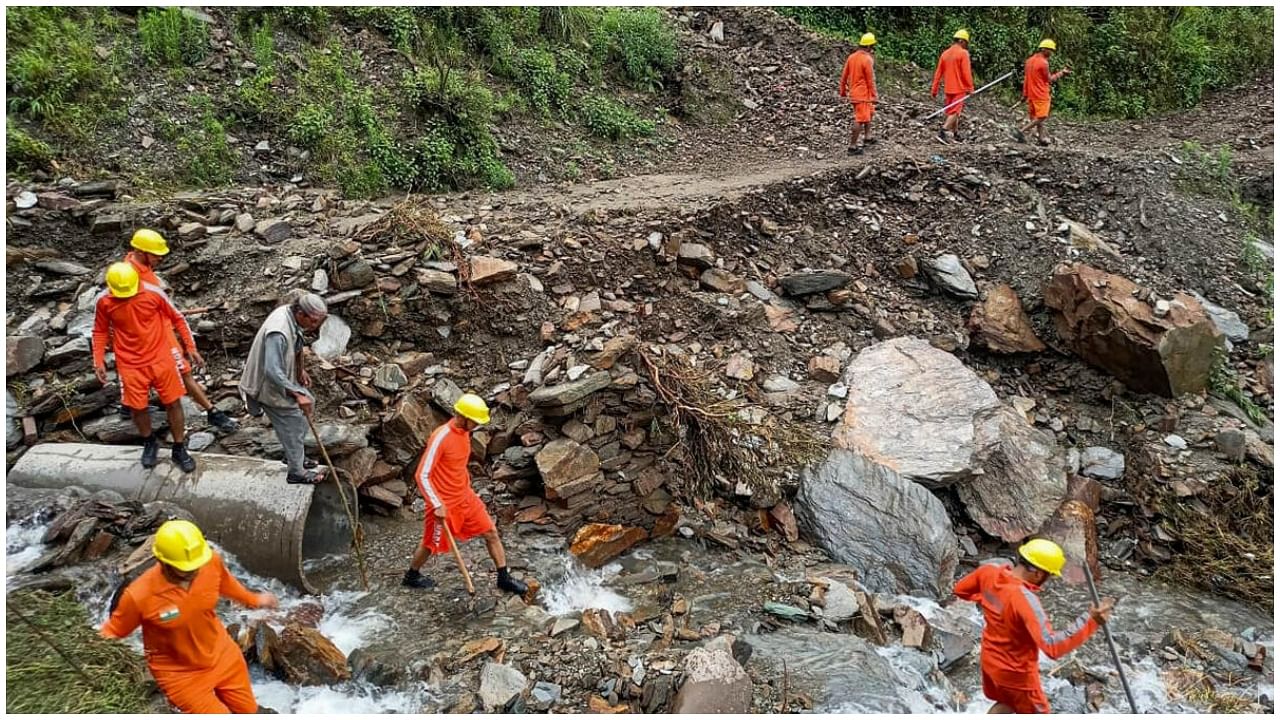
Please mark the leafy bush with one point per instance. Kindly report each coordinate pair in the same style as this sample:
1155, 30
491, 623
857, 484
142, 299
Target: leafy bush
538, 75
398, 23
172, 37
207, 159
611, 119
1126, 61
53, 74
311, 125
24, 152
311, 21
459, 146
641, 41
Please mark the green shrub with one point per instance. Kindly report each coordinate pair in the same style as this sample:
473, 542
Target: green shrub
311, 125
263, 44
611, 119
207, 160
641, 41
1126, 61
172, 37
53, 74
458, 148
398, 23
540, 79
24, 152
309, 20
255, 99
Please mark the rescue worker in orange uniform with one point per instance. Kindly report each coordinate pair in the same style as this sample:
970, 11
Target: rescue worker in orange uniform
195, 662
136, 321
445, 485
1017, 630
858, 83
148, 247
954, 74
1035, 90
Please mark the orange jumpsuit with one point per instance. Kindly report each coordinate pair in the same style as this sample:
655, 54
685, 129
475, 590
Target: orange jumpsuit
1035, 86
192, 657
1016, 632
954, 73
858, 83
139, 329
443, 479
147, 277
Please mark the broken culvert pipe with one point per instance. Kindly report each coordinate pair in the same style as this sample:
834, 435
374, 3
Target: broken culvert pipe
241, 503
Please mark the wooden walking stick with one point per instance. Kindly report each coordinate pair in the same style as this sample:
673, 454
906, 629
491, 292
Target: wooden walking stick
1111, 643
357, 534
453, 546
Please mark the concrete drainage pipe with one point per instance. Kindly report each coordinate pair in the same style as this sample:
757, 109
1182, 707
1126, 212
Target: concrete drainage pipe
241, 503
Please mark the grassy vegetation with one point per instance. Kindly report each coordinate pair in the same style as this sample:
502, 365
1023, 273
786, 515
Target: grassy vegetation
294, 75
111, 677
1125, 61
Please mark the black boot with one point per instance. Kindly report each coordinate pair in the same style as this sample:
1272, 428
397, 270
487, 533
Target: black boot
222, 421
510, 584
182, 458
125, 412
416, 580
150, 451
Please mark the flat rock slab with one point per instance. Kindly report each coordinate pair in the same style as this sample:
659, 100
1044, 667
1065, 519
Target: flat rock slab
950, 276
809, 282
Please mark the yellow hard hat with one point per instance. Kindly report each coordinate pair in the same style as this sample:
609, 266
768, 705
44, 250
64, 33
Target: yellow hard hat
149, 241
1047, 43
867, 40
122, 280
472, 407
180, 544
961, 34
1044, 554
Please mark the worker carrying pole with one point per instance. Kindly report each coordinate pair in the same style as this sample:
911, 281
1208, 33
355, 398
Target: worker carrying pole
858, 83
191, 655
1017, 630
1036, 79
955, 75
445, 485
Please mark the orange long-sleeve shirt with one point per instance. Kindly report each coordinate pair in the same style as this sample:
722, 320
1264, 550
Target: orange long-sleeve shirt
1036, 78
858, 81
953, 71
146, 275
139, 328
180, 630
443, 478
1017, 629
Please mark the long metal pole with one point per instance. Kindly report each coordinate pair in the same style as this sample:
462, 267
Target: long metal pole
1111, 643
953, 103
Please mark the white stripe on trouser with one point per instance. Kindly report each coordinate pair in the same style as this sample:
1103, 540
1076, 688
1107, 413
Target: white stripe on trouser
424, 477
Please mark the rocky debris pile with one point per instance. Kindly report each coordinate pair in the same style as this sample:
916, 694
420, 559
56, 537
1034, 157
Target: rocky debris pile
1213, 655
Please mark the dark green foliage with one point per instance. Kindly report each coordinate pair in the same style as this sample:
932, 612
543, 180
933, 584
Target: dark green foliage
1125, 61
172, 37
53, 74
311, 21
540, 79
612, 120
640, 41
207, 159
24, 152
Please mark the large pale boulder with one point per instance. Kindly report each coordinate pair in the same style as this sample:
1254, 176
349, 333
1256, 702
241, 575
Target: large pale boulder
895, 533
1103, 318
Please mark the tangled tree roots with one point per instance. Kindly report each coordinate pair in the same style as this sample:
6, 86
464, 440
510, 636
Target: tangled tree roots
722, 450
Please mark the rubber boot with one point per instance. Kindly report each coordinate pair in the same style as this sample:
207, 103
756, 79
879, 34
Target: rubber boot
1017, 135
509, 584
150, 452
416, 580
182, 458
942, 137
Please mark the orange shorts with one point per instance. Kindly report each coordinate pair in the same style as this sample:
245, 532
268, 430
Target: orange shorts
1025, 695
136, 383
1039, 109
950, 98
467, 519
863, 111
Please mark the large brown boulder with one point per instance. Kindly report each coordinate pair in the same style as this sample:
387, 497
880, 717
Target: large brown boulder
596, 544
305, 657
1104, 320
1073, 527
405, 432
1000, 324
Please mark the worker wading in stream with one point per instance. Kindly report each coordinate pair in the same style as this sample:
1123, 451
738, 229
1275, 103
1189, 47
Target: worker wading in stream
195, 662
445, 484
149, 248
1036, 79
956, 77
137, 322
275, 382
1017, 629
858, 83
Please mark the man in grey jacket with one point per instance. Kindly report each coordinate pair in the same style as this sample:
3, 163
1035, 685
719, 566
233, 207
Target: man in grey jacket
275, 382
